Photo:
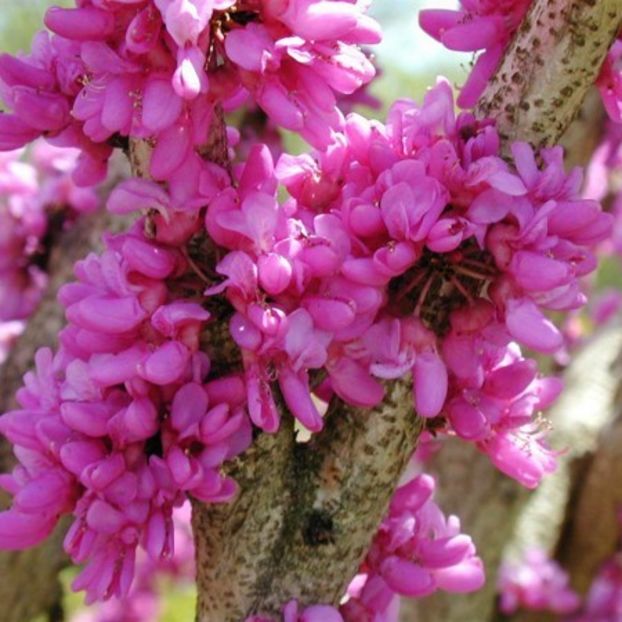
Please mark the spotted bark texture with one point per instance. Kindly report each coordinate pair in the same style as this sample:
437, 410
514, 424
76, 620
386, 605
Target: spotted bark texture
306, 512
548, 68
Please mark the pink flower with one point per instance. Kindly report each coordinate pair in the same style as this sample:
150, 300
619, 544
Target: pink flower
119, 426
610, 82
604, 600
486, 25
292, 613
416, 552
536, 583
34, 198
298, 57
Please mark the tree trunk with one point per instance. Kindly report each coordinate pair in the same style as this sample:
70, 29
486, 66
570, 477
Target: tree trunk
306, 512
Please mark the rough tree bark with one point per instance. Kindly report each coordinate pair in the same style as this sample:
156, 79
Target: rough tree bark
548, 68
306, 512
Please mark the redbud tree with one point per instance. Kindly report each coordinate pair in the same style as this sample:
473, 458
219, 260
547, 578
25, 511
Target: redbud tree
326, 354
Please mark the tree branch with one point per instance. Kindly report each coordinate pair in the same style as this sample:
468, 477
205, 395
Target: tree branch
306, 513
548, 68
586, 493
585, 409
585, 133
592, 532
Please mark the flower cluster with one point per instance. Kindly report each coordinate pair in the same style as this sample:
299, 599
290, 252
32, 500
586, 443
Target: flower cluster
161, 69
37, 200
536, 583
408, 247
416, 552
143, 603
602, 183
405, 247
487, 25
119, 425
339, 278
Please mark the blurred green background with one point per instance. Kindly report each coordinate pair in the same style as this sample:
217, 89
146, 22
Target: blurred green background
410, 62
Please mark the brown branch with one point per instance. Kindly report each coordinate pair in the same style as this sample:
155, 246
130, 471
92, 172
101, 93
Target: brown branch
584, 410
551, 510
585, 132
30, 584
549, 67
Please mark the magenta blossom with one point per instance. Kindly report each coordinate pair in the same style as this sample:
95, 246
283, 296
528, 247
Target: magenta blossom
486, 25
120, 424
610, 82
536, 583
417, 551
292, 613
